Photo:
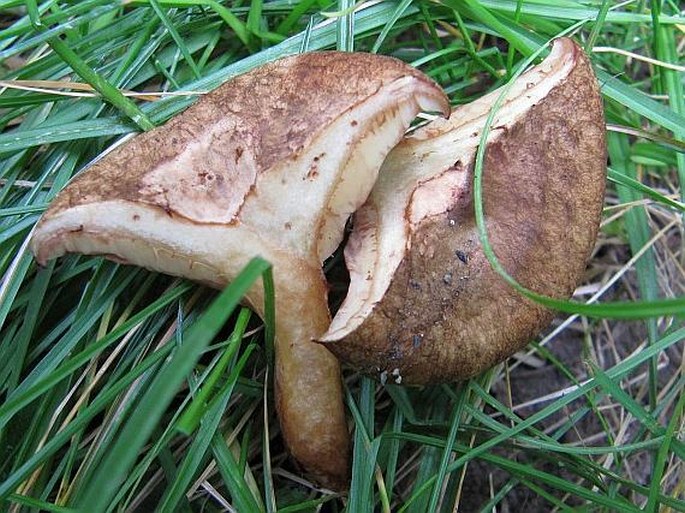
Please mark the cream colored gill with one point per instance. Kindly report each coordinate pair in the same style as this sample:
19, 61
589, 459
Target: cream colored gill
306, 202
147, 236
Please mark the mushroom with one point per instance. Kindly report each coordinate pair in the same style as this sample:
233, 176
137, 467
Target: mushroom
424, 304
272, 163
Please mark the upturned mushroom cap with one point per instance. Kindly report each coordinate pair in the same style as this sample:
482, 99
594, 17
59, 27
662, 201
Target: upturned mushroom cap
270, 164
424, 304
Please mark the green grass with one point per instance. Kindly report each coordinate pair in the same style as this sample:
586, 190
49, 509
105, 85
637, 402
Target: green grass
124, 390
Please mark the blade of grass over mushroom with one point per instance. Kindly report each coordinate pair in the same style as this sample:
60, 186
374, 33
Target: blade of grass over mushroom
618, 310
442, 232
629, 310
200, 403
135, 433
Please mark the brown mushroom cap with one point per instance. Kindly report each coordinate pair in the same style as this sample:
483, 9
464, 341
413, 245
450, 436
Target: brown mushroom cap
270, 164
424, 304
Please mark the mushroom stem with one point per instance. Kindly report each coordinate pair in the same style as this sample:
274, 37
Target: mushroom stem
308, 381
309, 386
